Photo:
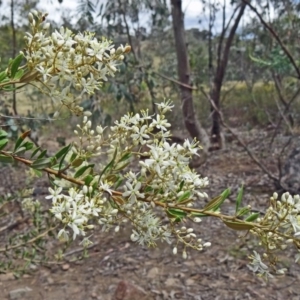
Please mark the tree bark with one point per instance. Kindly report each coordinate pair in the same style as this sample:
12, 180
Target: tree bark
191, 123
222, 61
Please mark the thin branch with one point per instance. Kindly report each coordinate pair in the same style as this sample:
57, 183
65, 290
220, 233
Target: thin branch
252, 155
276, 36
29, 241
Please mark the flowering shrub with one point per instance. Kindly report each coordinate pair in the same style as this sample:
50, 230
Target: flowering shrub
92, 182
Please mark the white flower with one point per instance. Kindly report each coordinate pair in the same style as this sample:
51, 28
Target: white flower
257, 266
63, 235
55, 194
105, 187
133, 191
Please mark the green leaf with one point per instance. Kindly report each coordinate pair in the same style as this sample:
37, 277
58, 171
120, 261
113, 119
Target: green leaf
41, 163
243, 211
120, 167
3, 75
63, 155
180, 186
184, 197
42, 154
3, 143
110, 164
15, 65
77, 162
6, 159
239, 199
20, 150
82, 170
118, 182
35, 152
199, 215
216, 202
88, 179
252, 217
125, 156
62, 151
18, 143
238, 225
3, 134
28, 145
19, 74
38, 173
177, 214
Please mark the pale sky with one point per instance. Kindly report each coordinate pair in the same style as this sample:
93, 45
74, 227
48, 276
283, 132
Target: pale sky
192, 8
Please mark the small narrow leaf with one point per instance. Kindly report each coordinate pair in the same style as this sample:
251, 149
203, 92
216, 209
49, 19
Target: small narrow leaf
118, 182
252, 217
41, 163
3, 75
3, 143
82, 170
88, 179
38, 173
180, 186
3, 134
18, 143
239, 199
20, 150
110, 164
200, 215
125, 156
237, 225
184, 196
35, 152
216, 202
28, 145
77, 162
176, 214
243, 211
42, 154
15, 65
19, 74
63, 151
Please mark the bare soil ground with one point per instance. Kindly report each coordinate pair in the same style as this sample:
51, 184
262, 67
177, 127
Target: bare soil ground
220, 272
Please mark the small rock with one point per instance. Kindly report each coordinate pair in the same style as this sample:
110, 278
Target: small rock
94, 296
190, 281
50, 280
172, 282
6, 277
20, 293
65, 267
128, 291
153, 273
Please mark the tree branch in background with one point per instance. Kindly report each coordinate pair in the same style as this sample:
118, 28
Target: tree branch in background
250, 153
275, 35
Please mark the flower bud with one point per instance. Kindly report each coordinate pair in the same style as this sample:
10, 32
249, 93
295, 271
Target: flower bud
127, 49
30, 17
46, 26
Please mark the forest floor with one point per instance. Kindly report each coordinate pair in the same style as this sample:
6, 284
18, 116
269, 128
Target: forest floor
220, 272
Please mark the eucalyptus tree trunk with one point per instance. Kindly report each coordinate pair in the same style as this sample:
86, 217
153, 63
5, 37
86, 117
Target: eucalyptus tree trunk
222, 60
190, 120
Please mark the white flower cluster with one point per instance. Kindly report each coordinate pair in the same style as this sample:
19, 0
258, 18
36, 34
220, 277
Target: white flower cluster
113, 196
64, 60
279, 227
